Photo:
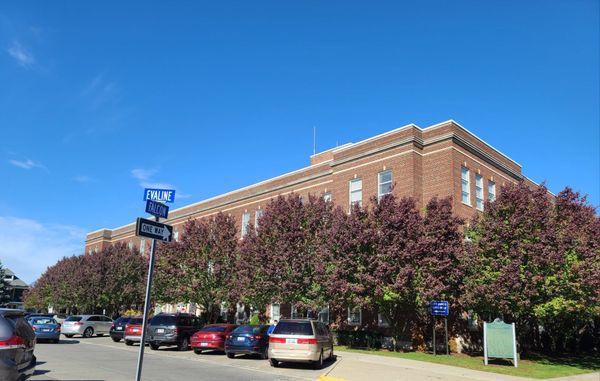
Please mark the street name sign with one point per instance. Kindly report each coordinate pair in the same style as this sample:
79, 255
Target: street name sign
157, 209
499, 341
154, 230
159, 195
440, 308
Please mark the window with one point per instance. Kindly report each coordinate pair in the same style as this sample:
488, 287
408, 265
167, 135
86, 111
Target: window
382, 321
478, 191
130, 245
245, 222
90, 251
354, 316
355, 192
385, 183
176, 236
324, 315
275, 312
257, 217
295, 313
327, 197
491, 191
464, 178
142, 246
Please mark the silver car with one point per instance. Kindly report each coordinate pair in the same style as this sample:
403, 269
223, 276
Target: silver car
86, 325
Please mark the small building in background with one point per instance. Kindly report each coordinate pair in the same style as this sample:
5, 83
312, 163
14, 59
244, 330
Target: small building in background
16, 288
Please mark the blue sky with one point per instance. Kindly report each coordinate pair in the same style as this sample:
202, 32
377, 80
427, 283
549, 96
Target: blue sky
99, 99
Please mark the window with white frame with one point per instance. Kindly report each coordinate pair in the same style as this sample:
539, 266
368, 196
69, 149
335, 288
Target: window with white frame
90, 251
295, 313
176, 235
466, 185
491, 191
143, 246
354, 315
382, 321
324, 315
355, 192
130, 245
245, 222
384, 179
327, 197
478, 191
275, 312
257, 215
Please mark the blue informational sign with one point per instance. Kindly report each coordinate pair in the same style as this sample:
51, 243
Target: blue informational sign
439, 307
159, 195
157, 209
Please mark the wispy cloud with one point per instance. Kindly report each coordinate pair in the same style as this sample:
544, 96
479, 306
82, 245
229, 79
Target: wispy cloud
23, 56
84, 179
144, 177
29, 246
27, 164
101, 91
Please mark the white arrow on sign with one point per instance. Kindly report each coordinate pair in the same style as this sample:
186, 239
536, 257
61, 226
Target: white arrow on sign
166, 234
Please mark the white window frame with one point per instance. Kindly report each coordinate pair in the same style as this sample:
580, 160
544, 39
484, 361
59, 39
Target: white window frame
245, 223
465, 185
379, 183
130, 245
351, 192
382, 321
323, 311
350, 322
492, 188
327, 196
479, 200
257, 215
176, 235
273, 315
142, 246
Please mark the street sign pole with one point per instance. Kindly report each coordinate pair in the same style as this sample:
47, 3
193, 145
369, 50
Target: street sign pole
138, 373
446, 329
434, 334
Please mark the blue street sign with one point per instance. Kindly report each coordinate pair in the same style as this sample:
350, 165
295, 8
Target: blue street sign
157, 209
439, 307
159, 195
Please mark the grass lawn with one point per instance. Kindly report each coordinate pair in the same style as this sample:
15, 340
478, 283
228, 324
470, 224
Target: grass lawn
534, 366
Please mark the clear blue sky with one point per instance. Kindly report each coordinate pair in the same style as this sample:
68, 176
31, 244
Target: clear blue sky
97, 99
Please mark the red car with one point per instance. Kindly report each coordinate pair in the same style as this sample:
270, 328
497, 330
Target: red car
211, 337
133, 331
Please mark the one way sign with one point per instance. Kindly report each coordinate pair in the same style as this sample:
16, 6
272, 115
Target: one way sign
153, 229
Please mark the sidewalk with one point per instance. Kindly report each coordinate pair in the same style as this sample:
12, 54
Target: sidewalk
352, 366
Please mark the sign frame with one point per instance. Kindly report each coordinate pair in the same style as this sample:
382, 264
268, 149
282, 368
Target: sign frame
486, 355
154, 193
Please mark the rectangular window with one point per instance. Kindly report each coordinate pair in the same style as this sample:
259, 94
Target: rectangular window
295, 313
324, 315
478, 191
355, 192
354, 316
491, 191
466, 185
90, 251
143, 246
130, 245
327, 197
385, 183
257, 215
176, 236
245, 222
382, 321
275, 312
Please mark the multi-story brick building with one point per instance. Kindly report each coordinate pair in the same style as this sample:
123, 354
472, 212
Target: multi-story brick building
441, 160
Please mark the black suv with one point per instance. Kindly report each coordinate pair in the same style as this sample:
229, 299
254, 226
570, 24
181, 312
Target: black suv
172, 329
17, 341
118, 328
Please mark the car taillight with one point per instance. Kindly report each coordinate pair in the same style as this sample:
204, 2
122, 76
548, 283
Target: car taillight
78, 323
256, 337
279, 340
112, 327
13, 342
34, 329
229, 337
57, 329
307, 341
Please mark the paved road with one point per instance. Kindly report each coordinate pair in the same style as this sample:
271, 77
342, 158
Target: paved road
101, 359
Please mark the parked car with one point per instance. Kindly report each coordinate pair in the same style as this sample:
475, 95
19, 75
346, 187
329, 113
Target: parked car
248, 339
45, 328
17, 342
300, 340
172, 329
60, 318
86, 325
211, 337
133, 331
117, 329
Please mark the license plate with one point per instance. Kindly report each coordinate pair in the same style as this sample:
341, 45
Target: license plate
135, 330
160, 330
46, 330
119, 328
204, 344
291, 341
240, 339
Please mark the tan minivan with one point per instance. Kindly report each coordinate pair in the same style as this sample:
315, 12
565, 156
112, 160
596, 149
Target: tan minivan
300, 340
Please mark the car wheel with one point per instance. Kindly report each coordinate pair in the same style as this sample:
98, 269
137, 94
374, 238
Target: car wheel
183, 345
116, 339
56, 341
319, 363
274, 363
230, 355
154, 347
69, 335
197, 351
89, 332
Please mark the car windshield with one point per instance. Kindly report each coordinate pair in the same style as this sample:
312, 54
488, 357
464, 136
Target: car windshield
213, 328
74, 318
135, 321
248, 329
35, 321
293, 328
163, 320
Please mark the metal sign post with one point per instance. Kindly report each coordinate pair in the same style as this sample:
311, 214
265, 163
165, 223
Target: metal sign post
440, 308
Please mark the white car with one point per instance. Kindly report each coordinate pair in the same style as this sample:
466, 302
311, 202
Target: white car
86, 325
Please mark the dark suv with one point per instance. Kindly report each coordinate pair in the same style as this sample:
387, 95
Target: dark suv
172, 329
17, 341
118, 328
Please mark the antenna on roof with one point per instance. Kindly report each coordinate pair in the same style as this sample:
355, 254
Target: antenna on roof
314, 140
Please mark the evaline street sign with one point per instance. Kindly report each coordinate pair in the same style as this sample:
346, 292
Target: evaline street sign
159, 195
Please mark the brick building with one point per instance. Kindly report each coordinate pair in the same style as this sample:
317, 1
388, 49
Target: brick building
441, 160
